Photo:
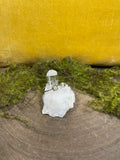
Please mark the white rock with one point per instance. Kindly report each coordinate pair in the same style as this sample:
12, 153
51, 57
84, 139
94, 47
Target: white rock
57, 103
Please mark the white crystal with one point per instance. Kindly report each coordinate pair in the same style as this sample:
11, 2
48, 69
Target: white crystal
57, 103
52, 79
51, 73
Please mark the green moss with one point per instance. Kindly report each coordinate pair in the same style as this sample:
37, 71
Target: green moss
19, 118
17, 80
2, 114
22, 120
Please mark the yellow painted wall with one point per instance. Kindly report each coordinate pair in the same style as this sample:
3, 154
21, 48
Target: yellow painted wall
86, 29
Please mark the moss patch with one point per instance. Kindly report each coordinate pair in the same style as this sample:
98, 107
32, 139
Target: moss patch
18, 117
17, 80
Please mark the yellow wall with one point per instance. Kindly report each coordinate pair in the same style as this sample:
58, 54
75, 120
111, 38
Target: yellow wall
86, 29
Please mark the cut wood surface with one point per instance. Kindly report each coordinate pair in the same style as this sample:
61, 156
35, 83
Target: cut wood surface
83, 134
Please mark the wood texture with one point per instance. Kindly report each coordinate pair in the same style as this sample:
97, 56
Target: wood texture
83, 134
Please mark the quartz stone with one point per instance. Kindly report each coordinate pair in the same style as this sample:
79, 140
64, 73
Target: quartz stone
58, 102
